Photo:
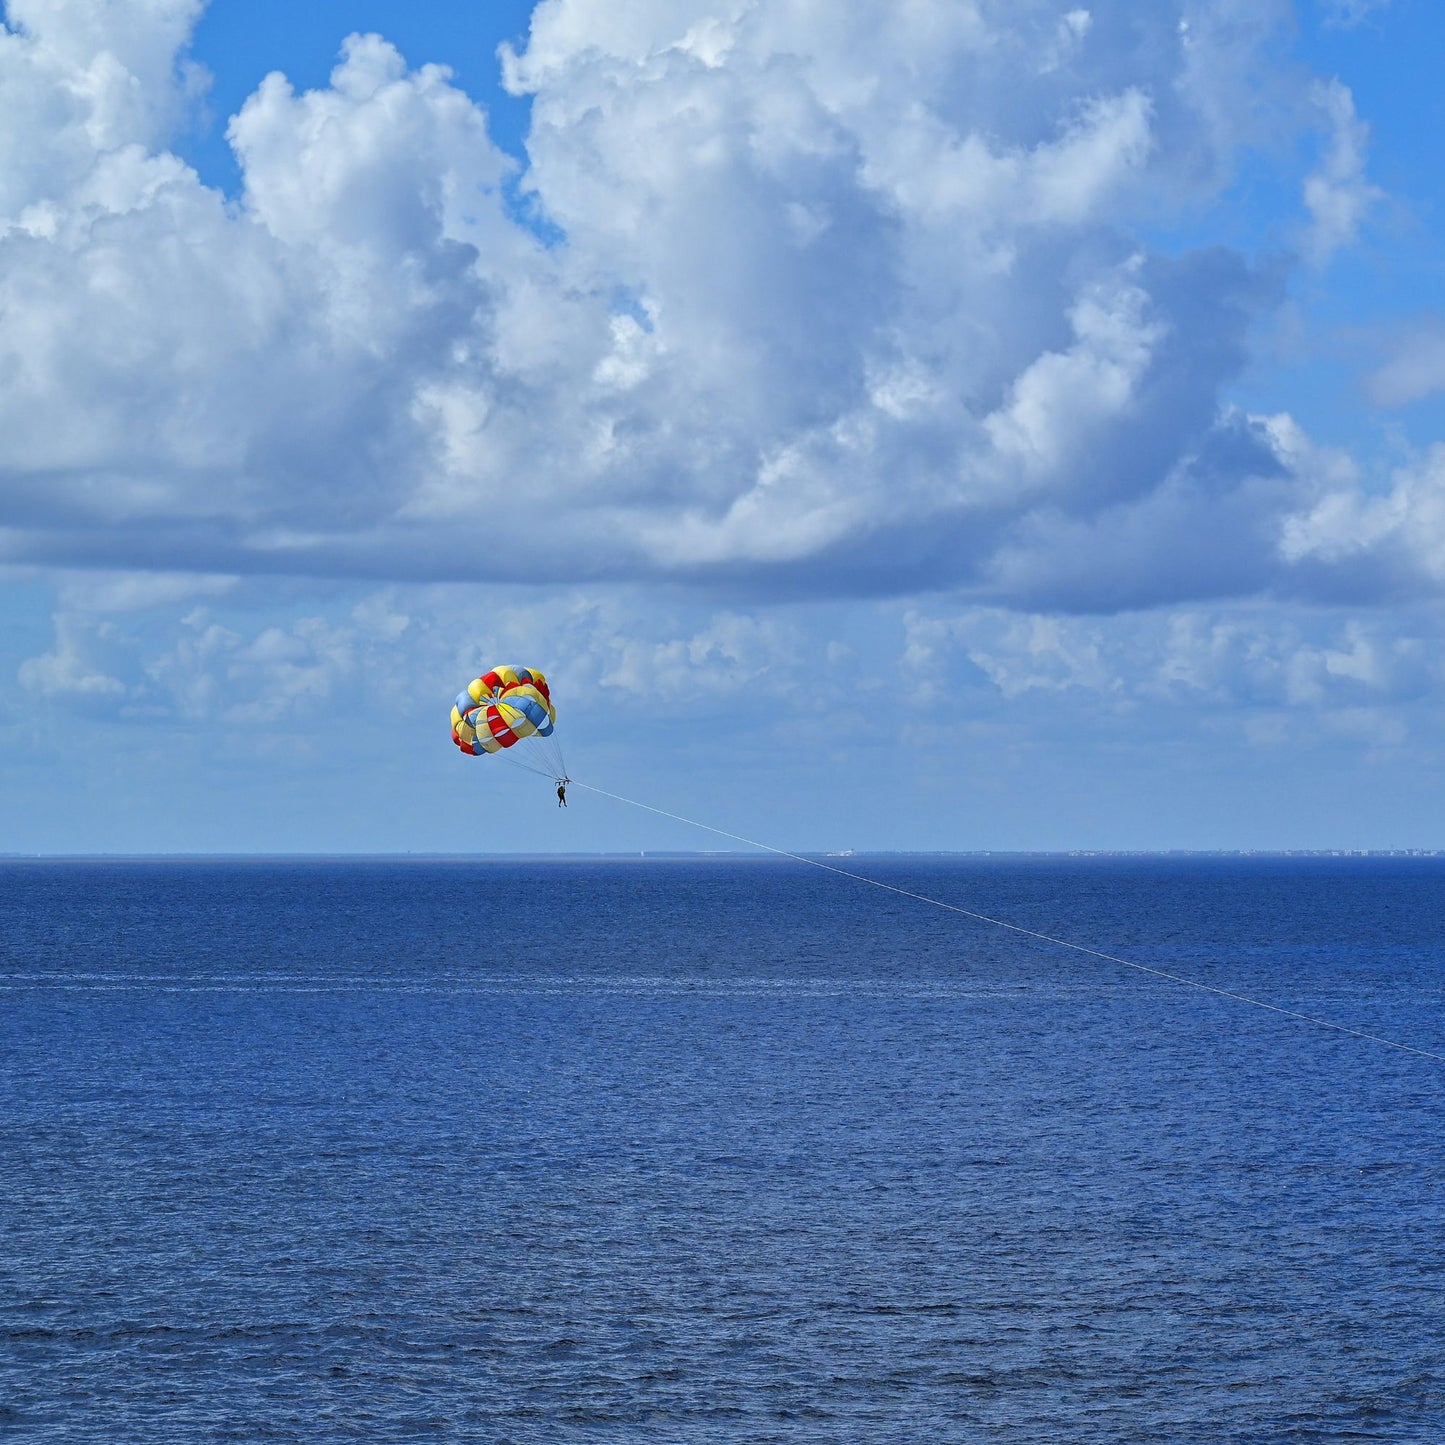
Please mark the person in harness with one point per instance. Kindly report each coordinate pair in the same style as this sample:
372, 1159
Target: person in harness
562, 792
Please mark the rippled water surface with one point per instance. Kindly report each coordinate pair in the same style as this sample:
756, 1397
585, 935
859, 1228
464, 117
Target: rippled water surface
719, 1150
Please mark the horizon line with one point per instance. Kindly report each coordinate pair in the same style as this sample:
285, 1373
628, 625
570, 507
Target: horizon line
732, 853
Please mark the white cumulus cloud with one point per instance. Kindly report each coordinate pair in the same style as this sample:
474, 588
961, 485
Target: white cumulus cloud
1416, 368
1337, 194
781, 299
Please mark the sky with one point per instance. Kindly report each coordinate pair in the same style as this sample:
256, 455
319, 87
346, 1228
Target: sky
936, 425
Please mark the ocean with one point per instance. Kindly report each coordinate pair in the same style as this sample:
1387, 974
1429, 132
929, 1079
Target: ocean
720, 1149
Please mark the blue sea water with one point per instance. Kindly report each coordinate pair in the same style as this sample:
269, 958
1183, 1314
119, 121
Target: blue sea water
719, 1150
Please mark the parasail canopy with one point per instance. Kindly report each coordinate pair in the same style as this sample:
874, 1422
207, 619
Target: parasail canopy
506, 707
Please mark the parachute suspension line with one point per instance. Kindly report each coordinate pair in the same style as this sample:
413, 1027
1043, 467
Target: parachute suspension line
541, 772
538, 755
1178, 978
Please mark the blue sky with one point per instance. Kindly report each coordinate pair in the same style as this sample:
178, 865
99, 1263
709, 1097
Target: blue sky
959, 426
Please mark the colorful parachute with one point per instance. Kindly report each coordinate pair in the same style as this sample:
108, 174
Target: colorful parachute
504, 707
